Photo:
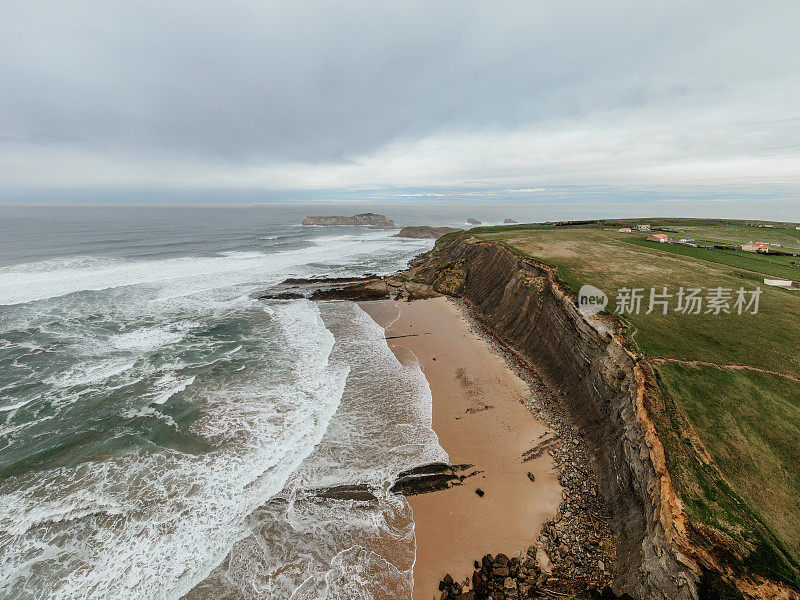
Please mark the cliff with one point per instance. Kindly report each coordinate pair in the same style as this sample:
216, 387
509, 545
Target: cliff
372, 220
424, 231
611, 393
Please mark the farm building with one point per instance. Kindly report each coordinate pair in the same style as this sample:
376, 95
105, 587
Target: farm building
778, 282
644, 227
625, 230
658, 237
755, 247
782, 283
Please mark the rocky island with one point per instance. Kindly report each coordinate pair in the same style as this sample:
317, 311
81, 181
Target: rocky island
473, 221
425, 232
373, 220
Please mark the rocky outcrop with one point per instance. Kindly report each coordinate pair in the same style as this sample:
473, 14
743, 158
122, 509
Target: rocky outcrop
509, 222
431, 478
424, 232
355, 289
503, 578
604, 385
473, 221
373, 220
376, 289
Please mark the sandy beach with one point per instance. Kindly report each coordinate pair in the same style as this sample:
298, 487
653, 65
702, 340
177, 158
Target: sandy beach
480, 420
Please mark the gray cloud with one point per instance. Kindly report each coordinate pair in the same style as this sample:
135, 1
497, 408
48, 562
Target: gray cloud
106, 93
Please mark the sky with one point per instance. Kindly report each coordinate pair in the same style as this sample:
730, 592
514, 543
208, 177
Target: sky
401, 101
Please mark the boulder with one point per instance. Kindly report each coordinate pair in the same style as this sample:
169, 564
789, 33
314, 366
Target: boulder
446, 582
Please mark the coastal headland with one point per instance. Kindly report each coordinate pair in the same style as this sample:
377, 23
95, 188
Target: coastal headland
595, 382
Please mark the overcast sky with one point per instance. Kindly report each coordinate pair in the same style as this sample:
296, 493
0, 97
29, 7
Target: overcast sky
401, 98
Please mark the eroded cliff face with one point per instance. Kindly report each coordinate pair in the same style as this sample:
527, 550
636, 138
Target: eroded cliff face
583, 359
612, 395
610, 390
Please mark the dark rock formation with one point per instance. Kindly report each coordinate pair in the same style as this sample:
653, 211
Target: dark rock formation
355, 289
368, 287
510, 221
430, 478
357, 492
472, 221
504, 578
362, 292
281, 296
372, 220
424, 232
325, 280
375, 289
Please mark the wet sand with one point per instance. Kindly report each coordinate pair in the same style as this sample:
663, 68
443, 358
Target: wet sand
479, 419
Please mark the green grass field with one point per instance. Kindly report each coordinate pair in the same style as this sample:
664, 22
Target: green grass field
746, 418
764, 265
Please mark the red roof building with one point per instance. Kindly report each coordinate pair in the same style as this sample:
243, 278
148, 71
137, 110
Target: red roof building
658, 237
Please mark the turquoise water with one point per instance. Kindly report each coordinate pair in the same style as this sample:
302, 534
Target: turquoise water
162, 431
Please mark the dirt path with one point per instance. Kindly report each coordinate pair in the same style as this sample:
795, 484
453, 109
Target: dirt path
701, 363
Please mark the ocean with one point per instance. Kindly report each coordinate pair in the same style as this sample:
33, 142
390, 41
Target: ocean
164, 433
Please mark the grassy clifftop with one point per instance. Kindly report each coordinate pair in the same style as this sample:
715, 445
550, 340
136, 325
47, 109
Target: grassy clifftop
730, 420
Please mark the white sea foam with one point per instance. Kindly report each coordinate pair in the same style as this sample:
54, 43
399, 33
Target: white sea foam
91, 372
185, 276
149, 411
176, 515
169, 385
10, 407
153, 521
146, 339
302, 548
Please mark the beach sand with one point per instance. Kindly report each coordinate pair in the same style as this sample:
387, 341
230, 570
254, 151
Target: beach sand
479, 419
